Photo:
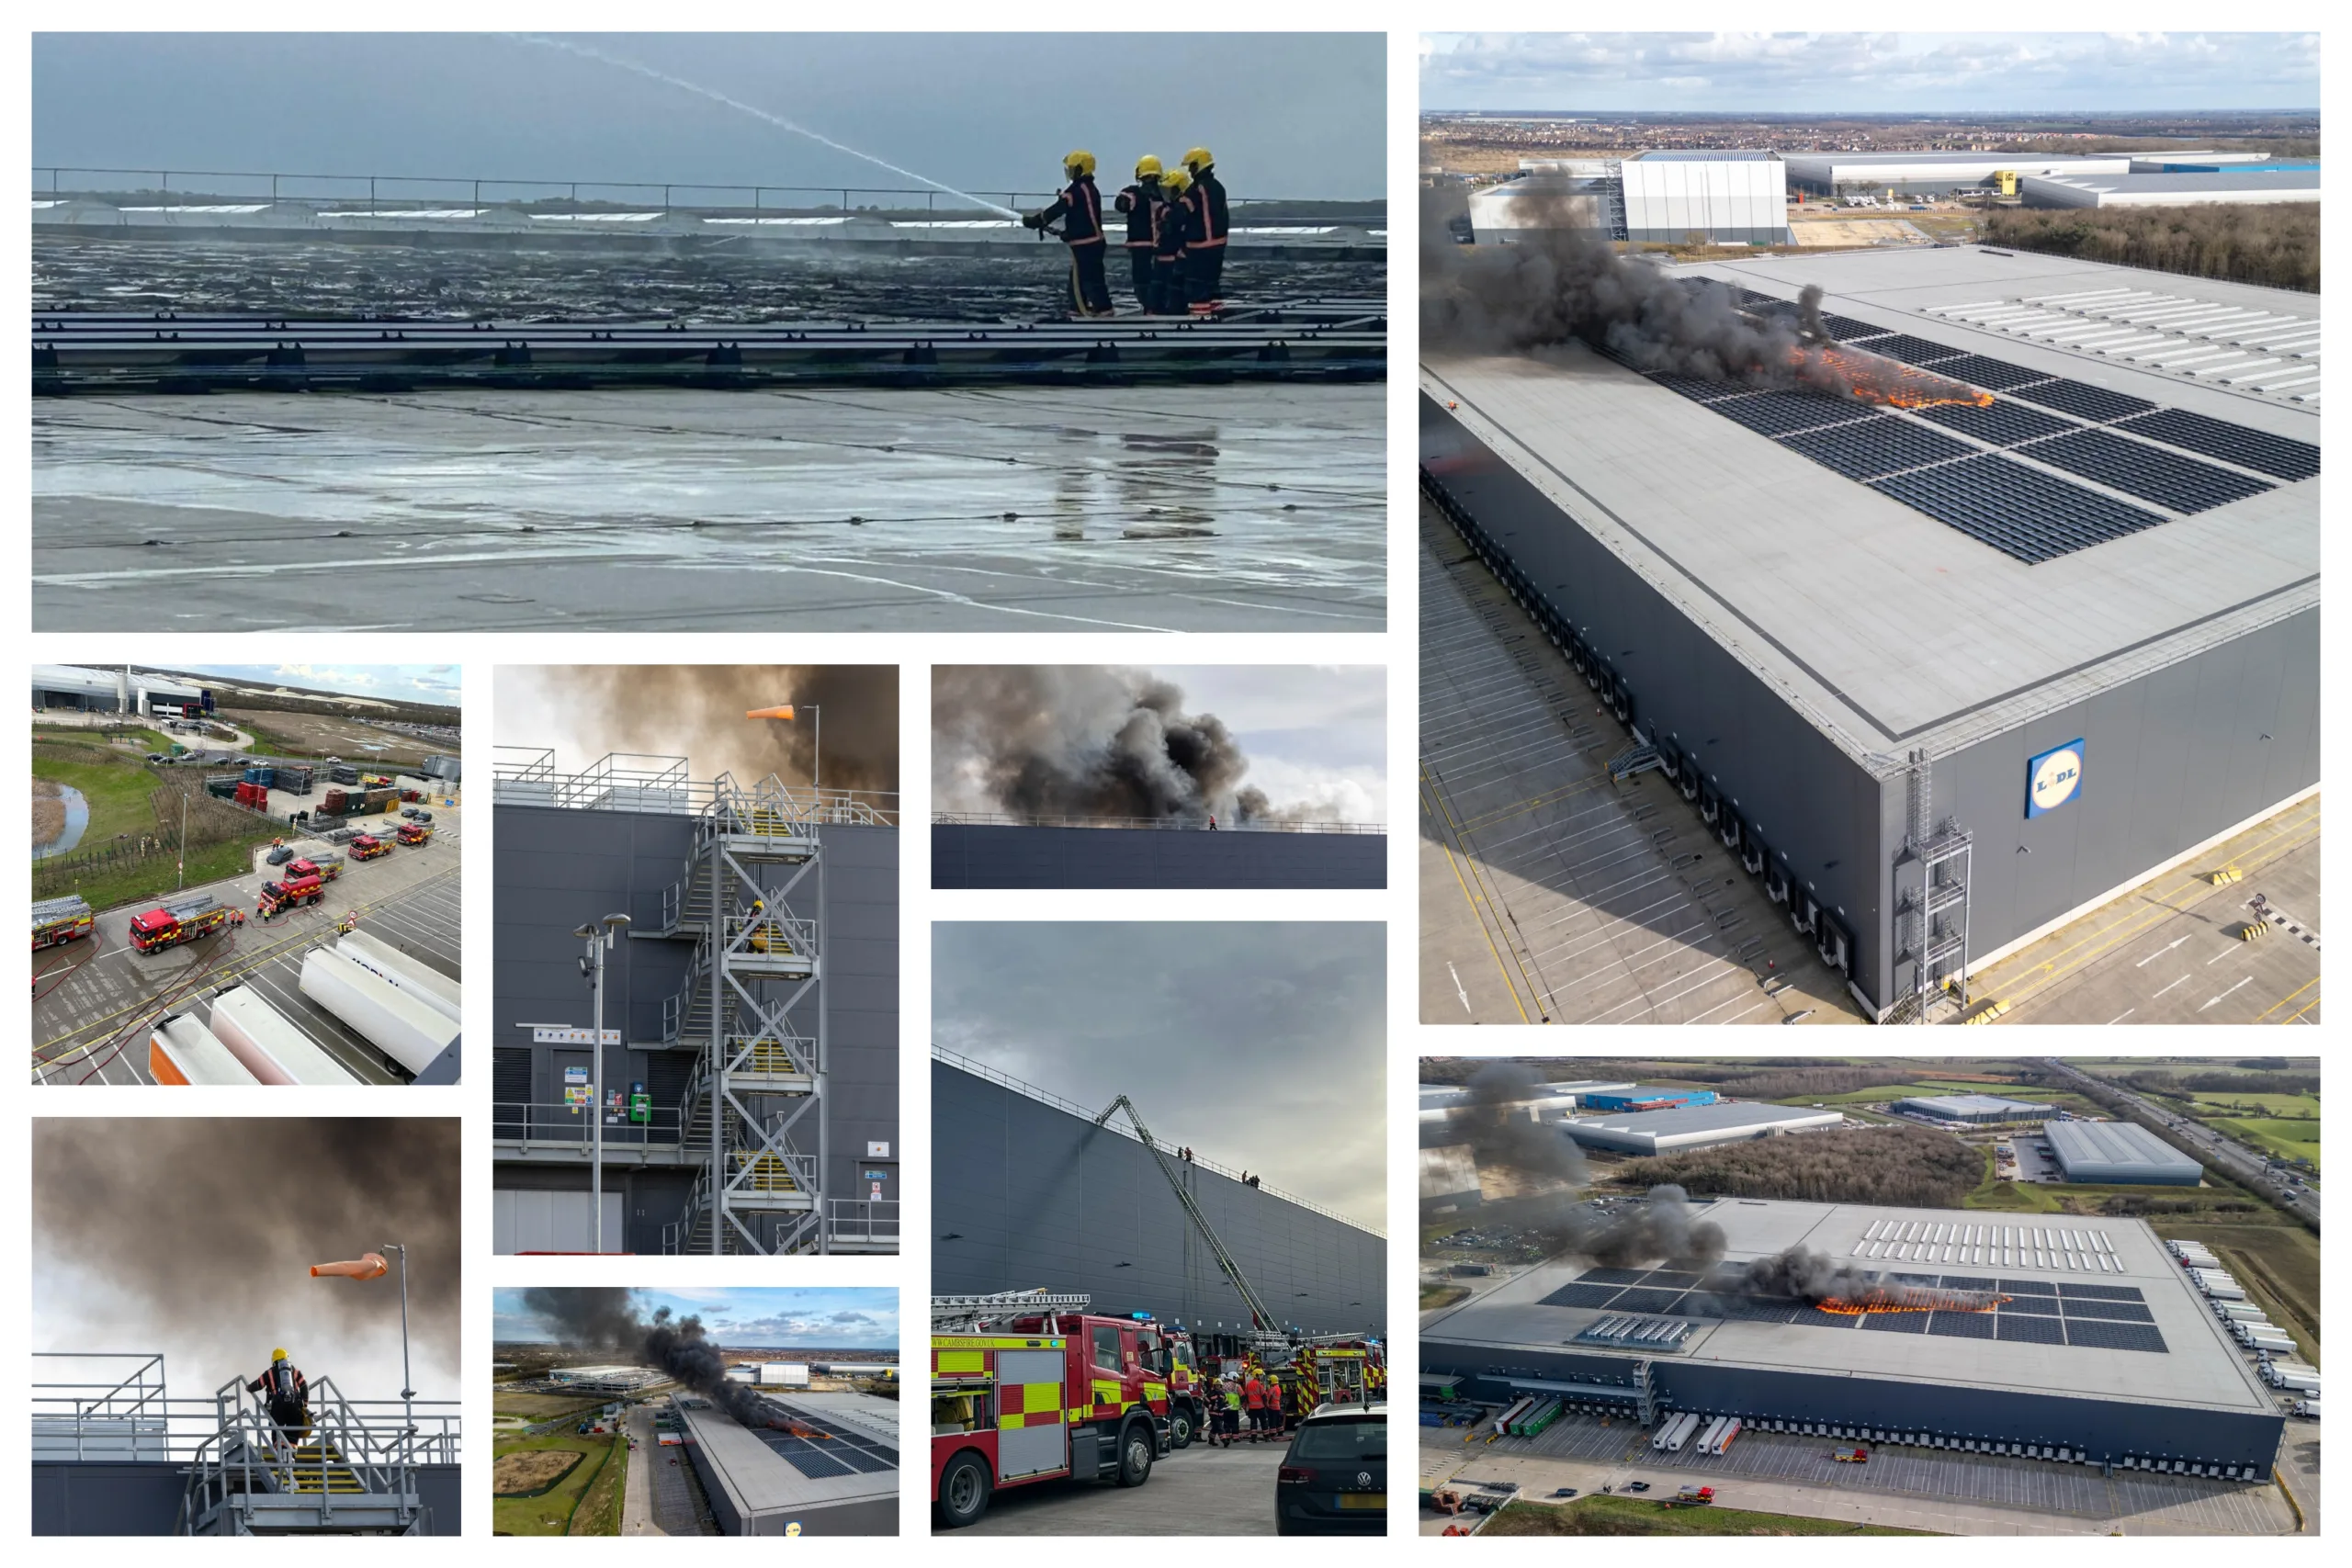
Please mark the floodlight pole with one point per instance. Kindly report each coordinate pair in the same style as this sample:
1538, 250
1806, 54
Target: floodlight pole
408, 1387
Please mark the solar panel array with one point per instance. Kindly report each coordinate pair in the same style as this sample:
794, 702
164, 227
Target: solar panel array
2183, 484
2017, 509
2256, 450
821, 1458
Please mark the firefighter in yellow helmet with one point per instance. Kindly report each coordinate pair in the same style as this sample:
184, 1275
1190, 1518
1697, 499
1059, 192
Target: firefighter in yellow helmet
286, 1393
1143, 202
1168, 248
1204, 248
1079, 209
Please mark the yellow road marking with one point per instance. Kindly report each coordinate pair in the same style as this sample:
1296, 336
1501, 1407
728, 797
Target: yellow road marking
1430, 795
2290, 997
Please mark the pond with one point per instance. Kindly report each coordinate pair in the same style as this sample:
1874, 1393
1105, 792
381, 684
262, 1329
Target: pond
77, 823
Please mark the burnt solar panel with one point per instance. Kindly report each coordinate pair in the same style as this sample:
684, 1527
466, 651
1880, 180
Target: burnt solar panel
2031, 1330
1896, 1322
2278, 456
1913, 350
1819, 1319
2018, 511
2112, 1312
1740, 1309
1866, 449
1783, 413
1961, 1325
2082, 398
2004, 424
2094, 1335
1582, 1295
2101, 1293
2183, 484
1610, 1275
1982, 370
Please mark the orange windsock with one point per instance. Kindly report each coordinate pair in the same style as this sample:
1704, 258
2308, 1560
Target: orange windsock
366, 1266
784, 712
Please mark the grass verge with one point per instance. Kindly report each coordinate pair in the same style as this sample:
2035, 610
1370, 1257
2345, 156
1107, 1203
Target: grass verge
1631, 1516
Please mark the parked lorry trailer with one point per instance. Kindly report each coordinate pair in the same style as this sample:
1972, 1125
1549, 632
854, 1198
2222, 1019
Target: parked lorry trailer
2300, 1378
182, 1050
405, 1029
405, 972
272, 1049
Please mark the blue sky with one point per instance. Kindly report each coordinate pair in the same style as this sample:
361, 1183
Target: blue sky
1870, 73
820, 1317
391, 682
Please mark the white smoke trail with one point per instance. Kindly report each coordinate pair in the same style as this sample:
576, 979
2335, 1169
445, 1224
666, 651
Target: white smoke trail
584, 53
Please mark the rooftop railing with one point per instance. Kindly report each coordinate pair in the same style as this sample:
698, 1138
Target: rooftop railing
623, 780
112, 1405
1167, 824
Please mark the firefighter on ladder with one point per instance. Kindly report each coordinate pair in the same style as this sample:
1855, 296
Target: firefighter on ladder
286, 1393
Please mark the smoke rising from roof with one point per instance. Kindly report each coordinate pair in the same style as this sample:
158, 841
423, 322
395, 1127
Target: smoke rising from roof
194, 1236
1082, 741
696, 711
604, 1318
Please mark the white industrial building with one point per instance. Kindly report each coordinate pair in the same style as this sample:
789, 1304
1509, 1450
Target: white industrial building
607, 1378
1695, 1127
121, 690
2240, 186
1936, 173
1725, 198
1441, 1100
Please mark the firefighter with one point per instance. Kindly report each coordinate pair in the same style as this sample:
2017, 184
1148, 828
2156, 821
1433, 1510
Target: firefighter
1205, 247
1232, 1412
1168, 250
1253, 1394
1142, 203
1080, 207
286, 1393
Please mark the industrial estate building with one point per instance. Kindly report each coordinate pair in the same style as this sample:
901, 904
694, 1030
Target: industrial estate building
1695, 1127
1158, 856
607, 1378
1941, 678
750, 1060
2171, 187
1439, 1101
828, 1465
1640, 1097
1028, 1193
1938, 173
1731, 197
2069, 1338
2119, 1154
126, 691
1973, 1108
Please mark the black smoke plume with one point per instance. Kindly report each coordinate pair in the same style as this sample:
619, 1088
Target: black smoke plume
606, 1319
696, 711
1502, 1133
1053, 740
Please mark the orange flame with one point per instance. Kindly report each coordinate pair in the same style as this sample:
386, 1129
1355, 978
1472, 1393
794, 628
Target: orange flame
1911, 1301
1874, 378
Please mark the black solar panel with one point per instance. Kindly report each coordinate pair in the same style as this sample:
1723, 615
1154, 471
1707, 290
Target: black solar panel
2097, 1336
1982, 370
1845, 329
1739, 1309
1610, 1275
1698, 389
1968, 1283
2258, 449
1670, 1279
1961, 1325
1780, 414
816, 1466
2082, 398
2019, 1288
2101, 1293
1897, 1322
2017, 510
2118, 1311
2003, 424
863, 1462
1582, 1295
1924, 1279
2041, 1306
1871, 448
1913, 350
1646, 1301
1820, 1319
2030, 1330
2149, 472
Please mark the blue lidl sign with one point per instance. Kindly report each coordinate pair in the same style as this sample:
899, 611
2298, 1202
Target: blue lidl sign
2053, 778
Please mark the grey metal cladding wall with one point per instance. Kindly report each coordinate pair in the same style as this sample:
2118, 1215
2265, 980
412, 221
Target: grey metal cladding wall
861, 915
2168, 761
1026, 1195
551, 869
1809, 801
966, 856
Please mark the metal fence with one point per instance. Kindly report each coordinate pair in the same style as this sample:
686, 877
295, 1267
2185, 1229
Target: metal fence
565, 1123
1168, 824
623, 780
104, 1405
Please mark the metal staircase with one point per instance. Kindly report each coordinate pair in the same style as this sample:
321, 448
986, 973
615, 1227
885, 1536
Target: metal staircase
1932, 903
347, 1474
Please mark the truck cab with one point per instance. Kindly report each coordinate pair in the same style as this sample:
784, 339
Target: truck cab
278, 897
366, 846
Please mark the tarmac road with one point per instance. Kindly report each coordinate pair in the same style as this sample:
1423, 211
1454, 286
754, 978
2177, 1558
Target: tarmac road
636, 1502
1197, 1491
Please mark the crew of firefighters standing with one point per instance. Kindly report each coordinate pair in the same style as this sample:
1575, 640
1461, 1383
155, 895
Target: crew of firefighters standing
1176, 233
1246, 1407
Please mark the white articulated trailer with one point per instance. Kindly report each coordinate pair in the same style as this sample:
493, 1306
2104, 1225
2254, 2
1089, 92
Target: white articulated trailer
405, 972
408, 1030
270, 1047
180, 1049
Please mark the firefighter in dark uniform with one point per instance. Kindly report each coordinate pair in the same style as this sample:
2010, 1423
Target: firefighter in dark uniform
1168, 253
1141, 202
287, 1394
1080, 207
1204, 252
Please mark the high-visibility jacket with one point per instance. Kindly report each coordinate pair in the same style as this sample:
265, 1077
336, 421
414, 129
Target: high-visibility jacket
1208, 221
1256, 1393
1141, 202
1081, 209
1232, 1399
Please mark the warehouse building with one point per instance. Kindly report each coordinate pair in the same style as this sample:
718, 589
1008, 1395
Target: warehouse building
1695, 1127
1640, 1097
1157, 858
1441, 1100
1669, 197
1994, 667
2171, 187
607, 1378
751, 1062
774, 1481
78, 688
1897, 174
2118, 1153
2075, 1337
1028, 1193
1973, 1108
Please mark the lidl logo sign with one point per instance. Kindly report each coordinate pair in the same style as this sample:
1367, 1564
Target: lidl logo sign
2053, 778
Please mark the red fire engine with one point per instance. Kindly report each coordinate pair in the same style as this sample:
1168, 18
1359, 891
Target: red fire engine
325, 870
413, 833
1028, 1387
367, 847
57, 921
278, 896
178, 920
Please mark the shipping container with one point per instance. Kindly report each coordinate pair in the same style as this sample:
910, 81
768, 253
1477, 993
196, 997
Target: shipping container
404, 972
180, 1049
272, 1049
411, 1032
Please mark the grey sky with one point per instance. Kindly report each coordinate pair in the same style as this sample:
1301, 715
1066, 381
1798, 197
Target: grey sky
1870, 73
394, 682
1260, 1045
1286, 115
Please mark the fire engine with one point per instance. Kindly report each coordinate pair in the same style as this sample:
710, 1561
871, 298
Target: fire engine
57, 921
326, 866
276, 897
178, 920
1028, 1387
413, 833
367, 847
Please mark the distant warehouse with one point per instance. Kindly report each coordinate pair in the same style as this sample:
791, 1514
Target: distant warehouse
2191, 189
1975, 1108
2119, 1154
1695, 1127
1640, 1097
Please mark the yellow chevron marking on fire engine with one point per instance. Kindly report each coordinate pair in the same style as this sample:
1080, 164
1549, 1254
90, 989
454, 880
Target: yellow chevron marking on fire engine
962, 1361
1106, 1393
1157, 1390
1010, 1423
1041, 1398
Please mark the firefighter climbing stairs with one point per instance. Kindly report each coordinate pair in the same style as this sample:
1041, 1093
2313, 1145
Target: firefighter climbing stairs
346, 1475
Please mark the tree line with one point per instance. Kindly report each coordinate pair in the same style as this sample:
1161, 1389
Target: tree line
2276, 245
1902, 1166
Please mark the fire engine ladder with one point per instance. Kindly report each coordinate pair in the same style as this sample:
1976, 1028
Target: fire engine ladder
969, 1314
1261, 1316
347, 1476
753, 1005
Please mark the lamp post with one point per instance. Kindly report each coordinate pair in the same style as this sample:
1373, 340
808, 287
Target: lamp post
592, 969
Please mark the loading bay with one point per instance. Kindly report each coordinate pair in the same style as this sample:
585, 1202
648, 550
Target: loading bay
1199, 1491
1956, 1494
1550, 894
88, 1023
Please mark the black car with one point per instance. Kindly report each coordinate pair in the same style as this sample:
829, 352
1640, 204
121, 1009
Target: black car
281, 854
1334, 1480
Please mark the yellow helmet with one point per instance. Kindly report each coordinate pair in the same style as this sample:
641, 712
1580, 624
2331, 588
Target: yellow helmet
1147, 166
1199, 158
1175, 181
277, 1356
1078, 164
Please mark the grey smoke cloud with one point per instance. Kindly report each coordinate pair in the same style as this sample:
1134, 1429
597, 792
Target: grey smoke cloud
605, 1317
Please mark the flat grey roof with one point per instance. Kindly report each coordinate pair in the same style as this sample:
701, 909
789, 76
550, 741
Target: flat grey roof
1972, 1104
1438, 1096
2227, 179
2202, 1367
2114, 1143
1705, 156
1721, 1116
1888, 628
862, 1414
1989, 156
758, 1477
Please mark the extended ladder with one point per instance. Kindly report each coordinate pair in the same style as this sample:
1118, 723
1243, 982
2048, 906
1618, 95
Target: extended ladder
1262, 1318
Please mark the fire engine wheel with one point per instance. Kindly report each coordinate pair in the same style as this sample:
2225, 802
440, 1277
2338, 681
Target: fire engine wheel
1180, 1427
963, 1492
1135, 1454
